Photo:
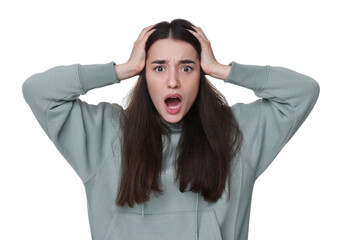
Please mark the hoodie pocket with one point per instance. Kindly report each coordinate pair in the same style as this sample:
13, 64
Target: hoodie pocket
174, 225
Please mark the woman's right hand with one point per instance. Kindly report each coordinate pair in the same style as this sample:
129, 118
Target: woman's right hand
136, 62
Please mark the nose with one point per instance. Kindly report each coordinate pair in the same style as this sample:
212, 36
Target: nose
173, 81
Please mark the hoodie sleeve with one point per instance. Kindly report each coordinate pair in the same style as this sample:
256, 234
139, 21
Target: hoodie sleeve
81, 132
267, 124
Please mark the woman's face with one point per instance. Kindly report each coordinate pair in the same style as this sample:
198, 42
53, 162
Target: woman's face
172, 76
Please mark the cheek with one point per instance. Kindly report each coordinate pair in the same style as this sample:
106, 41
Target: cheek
153, 89
196, 84
194, 87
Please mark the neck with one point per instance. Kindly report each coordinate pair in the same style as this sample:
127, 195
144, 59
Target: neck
174, 127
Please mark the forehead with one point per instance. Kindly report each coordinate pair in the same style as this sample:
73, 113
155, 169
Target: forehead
170, 49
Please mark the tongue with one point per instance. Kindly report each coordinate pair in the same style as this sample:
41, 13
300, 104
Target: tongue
172, 102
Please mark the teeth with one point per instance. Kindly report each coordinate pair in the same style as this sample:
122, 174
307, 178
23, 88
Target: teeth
174, 107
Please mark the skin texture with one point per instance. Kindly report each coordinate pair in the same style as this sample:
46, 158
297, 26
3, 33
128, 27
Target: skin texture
172, 76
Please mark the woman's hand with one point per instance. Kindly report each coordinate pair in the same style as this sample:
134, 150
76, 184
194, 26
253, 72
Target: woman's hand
136, 62
208, 62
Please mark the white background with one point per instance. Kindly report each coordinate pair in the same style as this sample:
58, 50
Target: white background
41, 195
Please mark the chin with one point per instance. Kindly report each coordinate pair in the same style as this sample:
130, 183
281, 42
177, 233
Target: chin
172, 118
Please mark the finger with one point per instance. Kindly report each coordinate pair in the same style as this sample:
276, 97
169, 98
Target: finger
198, 36
149, 32
144, 31
145, 37
201, 33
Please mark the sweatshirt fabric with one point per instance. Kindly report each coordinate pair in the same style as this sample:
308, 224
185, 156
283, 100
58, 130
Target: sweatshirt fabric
89, 137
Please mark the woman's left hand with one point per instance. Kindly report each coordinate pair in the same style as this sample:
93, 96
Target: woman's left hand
208, 61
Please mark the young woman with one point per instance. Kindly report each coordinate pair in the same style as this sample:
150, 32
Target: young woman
178, 162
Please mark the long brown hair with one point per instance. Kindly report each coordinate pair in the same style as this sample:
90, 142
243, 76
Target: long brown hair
209, 141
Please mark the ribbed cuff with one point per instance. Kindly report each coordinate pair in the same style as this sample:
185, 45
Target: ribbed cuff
97, 75
249, 76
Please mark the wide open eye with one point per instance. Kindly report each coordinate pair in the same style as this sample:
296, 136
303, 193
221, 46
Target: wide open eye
187, 69
159, 69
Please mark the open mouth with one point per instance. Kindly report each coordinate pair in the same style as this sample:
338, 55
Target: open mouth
173, 103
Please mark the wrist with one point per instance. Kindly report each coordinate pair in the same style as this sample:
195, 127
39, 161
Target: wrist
220, 71
124, 71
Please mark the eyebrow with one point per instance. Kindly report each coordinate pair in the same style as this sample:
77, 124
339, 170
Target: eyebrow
164, 61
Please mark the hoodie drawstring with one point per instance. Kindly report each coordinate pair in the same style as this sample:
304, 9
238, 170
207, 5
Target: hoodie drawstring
143, 210
196, 229
196, 226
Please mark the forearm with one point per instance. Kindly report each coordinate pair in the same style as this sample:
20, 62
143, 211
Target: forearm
64, 83
275, 83
67, 82
293, 94
124, 71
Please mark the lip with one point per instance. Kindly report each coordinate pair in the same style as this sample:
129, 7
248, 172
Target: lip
173, 110
173, 96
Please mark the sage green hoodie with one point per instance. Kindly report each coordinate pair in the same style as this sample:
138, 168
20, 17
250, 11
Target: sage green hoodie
89, 137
